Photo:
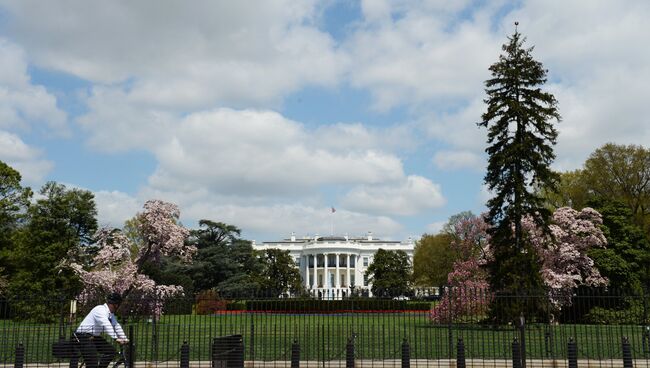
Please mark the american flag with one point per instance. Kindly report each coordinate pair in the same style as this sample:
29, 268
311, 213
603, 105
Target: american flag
333, 209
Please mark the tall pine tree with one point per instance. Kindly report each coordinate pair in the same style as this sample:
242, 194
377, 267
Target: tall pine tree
521, 136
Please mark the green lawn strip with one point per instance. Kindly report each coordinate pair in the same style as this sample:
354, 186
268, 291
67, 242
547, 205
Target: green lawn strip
269, 336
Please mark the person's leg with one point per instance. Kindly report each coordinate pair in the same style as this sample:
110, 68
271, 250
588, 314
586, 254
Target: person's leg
106, 352
88, 351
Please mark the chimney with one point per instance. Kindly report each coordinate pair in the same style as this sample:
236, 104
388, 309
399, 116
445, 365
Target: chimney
293, 236
369, 235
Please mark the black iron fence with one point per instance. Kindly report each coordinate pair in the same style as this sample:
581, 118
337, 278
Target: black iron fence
443, 328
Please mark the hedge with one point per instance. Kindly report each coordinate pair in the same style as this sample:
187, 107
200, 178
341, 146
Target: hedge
330, 306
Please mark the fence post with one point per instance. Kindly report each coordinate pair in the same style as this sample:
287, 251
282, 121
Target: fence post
522, 339
20, 356
572, 353
450, 334
460, 354
406, 354
516, 354
627, 353
295, 354
131, 356
349, 354
252, 340
548, 342
185, 355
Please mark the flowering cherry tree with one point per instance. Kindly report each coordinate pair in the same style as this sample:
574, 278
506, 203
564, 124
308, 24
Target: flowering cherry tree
117, 266
563, 253
467, 293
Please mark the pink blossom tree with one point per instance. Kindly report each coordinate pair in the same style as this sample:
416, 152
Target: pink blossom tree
467, 294
563, 252
118, 264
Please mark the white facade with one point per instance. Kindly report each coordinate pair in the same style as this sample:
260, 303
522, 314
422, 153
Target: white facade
347, 261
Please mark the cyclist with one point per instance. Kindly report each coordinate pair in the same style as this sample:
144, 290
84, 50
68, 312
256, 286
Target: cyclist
95, 350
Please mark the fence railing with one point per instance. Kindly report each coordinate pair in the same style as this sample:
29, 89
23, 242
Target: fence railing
454, 328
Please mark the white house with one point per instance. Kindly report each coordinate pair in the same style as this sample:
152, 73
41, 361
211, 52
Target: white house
347, 261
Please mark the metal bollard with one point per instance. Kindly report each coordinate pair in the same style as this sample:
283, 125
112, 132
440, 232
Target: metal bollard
349, 354
406, 354
516, 354
460, 354
627, 354
185, 355
295, 354
20, 356
572, 353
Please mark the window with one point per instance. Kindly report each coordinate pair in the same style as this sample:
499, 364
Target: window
331, 260
343, 281
298, 261
320, 281
352, 260
365, 280
352, 280
365, 261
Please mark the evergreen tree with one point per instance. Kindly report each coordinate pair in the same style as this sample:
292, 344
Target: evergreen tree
520, 137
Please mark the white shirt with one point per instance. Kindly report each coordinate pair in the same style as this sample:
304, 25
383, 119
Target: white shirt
100, 319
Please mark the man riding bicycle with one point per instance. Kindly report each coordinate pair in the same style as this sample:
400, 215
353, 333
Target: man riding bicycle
95, 350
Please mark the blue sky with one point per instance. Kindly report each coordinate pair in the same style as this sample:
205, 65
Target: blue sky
267, 114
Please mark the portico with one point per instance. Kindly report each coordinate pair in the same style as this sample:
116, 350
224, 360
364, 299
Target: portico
331, 267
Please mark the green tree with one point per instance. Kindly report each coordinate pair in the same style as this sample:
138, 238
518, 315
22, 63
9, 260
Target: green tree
626, 259
571, 191
58, 224
520, 137
622, 173
280, 275
224, 261
433, 259
390, 274
14, 201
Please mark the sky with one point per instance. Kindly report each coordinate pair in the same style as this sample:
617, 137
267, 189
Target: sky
313, 117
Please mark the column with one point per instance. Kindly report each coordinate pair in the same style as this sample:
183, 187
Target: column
357, 266
348, 270
326, 280
315, 255
337, 278
306, 260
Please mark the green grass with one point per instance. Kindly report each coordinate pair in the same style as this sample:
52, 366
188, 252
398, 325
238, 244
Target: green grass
324, 337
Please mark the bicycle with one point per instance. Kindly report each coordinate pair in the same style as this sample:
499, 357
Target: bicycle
119, 360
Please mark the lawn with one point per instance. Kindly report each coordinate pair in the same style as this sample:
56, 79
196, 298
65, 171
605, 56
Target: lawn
269, 336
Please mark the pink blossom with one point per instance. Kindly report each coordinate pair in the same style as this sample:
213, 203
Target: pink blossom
565, 263
117, 265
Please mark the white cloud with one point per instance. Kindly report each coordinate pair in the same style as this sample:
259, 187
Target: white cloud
183, 57
418, 54
115, 123
23, 158
408, 197
22, 104
261, 153
283, 219
278, 219
115, 207
455, 160
435, 227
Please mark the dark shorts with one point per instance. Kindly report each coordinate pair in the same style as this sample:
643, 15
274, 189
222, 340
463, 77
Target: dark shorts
95, 350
